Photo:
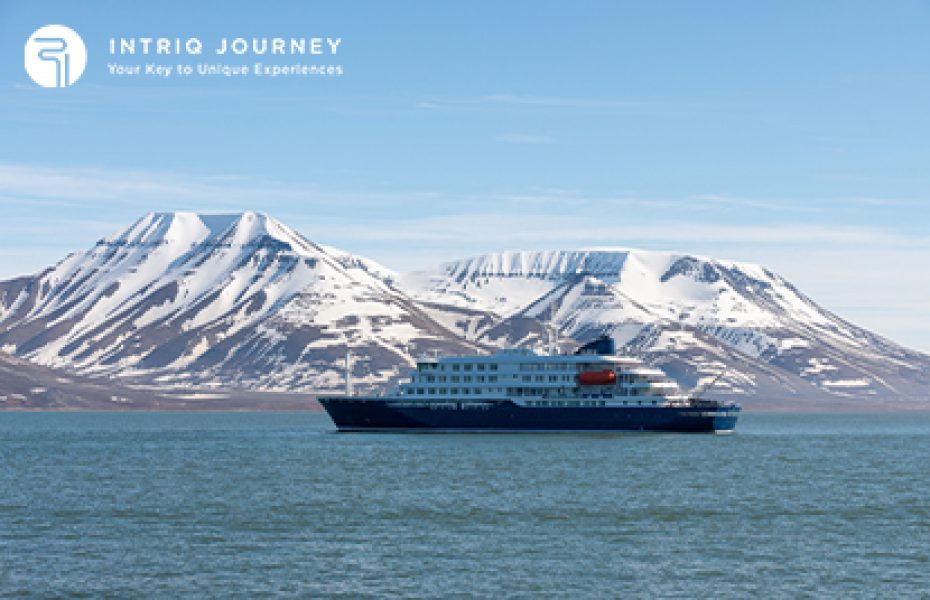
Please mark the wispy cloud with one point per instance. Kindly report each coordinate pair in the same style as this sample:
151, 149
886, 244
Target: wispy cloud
569, 102
512, 229
29, 182
536, 215
510, 102
523, 138
725, 200
77, 187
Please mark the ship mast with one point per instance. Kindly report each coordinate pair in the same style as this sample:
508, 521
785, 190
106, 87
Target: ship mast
552, 332
348, 370
700, 389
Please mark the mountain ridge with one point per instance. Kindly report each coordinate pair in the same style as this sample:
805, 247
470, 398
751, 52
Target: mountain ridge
242, 300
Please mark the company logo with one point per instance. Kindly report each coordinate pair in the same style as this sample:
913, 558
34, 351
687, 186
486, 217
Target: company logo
55, 56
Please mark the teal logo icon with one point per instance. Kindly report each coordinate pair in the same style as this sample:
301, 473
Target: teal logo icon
55, 56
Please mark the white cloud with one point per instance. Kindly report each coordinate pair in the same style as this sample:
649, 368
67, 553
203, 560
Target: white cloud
607, 227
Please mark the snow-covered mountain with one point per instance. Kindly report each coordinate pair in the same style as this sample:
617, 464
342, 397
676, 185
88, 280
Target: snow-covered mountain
228, 300
694, 316
244, 301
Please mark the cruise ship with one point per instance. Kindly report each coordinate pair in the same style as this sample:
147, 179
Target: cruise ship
523, 390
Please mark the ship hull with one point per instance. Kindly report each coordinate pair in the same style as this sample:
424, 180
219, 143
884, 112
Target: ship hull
380, 414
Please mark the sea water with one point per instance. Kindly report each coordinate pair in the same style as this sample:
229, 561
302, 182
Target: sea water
255, 505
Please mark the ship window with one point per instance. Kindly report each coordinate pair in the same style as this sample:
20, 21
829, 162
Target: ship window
466, 378
492, 377
432, 391
466, 391
493, 367
527, 378
481, 366
456, 367
468, 367
479, 378
454, 378
453, 391
419, 391
602, 403
477, 391
553, 378
540, 378
654, 403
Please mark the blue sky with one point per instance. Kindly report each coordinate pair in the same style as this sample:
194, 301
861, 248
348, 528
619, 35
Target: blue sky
795, 134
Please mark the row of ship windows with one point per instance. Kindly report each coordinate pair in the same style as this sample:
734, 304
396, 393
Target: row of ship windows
559, 367
457, 367
524, 378
456, 378
494, 367
519, 391
558, 403
550, 392
446, 391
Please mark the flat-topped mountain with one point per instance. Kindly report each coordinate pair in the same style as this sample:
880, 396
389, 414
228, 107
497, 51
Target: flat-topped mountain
694, 316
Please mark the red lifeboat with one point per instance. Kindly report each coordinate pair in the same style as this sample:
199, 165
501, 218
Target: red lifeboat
605, 377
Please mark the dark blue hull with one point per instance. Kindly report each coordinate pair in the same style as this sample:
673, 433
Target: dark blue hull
380, 414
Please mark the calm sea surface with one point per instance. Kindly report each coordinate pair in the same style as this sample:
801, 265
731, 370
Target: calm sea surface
221, 505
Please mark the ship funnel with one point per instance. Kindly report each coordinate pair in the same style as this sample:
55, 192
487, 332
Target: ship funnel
603, 345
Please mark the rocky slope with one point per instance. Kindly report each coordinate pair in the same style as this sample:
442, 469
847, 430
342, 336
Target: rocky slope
222, 300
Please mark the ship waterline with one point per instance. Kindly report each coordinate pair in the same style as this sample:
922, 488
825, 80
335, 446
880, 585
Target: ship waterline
377, 414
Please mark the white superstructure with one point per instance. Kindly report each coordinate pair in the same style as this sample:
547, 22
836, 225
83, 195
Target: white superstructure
539, 380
